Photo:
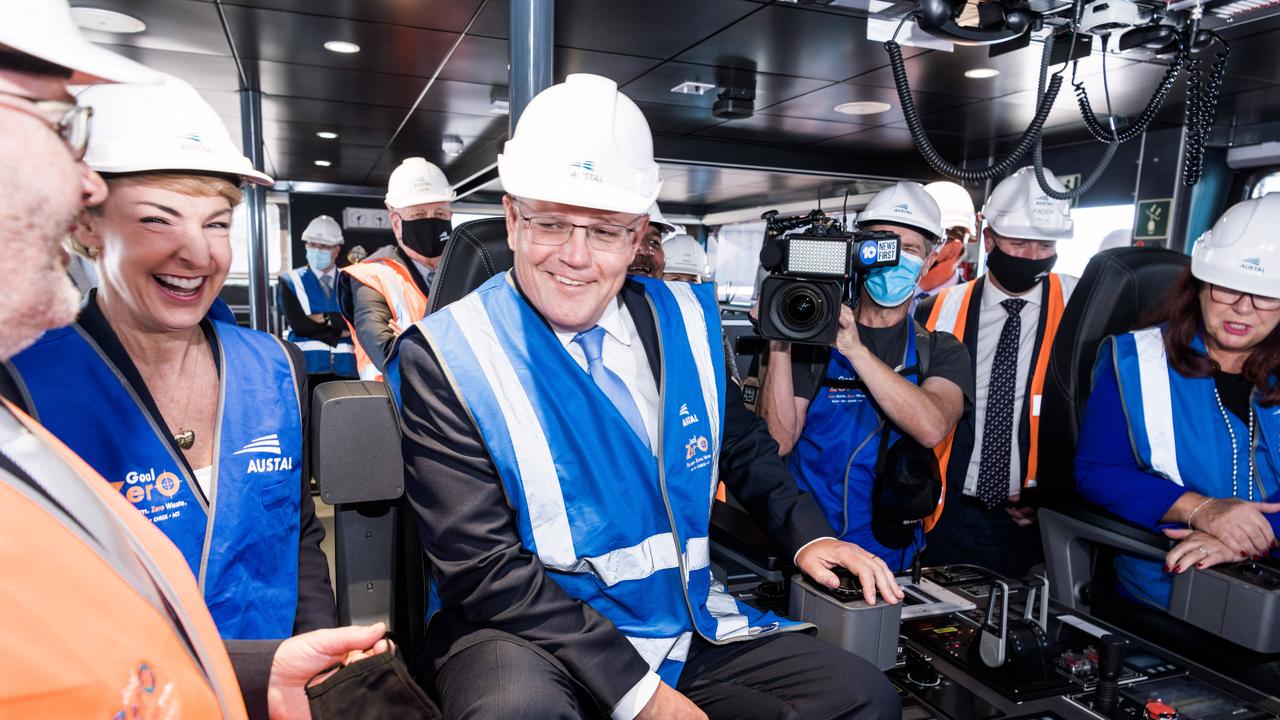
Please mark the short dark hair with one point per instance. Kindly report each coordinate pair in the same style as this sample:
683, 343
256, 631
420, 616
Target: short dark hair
22, 62
1180, 314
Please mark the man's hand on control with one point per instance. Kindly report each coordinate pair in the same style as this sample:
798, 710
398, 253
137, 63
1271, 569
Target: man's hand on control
818, 557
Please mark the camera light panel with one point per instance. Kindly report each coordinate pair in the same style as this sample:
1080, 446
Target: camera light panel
817, 257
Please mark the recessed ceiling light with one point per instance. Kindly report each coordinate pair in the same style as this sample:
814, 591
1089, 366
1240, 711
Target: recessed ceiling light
862, 107
91, 18
323, 163
981, 73
452, 145
326, 135
342, 46
692, 87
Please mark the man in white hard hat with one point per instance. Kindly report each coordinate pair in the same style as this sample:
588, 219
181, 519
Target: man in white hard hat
835, 434
650, 258
387, 292
108, 602
565, 426
959, 221
1007, 318
308, 296
684, 260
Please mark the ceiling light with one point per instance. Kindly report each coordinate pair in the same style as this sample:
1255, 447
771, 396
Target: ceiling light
323, 163
326, 135
452, 145
342, 46
862, 107
692, 87
499, 104
981, 73
91, 18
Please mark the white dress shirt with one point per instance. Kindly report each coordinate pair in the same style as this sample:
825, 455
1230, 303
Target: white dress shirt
624, 354
991, 318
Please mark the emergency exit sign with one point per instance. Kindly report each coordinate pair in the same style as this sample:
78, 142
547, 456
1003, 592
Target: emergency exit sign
1151, 219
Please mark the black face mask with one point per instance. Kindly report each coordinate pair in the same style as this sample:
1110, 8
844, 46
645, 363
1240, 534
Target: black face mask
375, 688
1018, 275
426, 236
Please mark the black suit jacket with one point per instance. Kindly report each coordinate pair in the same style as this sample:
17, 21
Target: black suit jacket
489, 581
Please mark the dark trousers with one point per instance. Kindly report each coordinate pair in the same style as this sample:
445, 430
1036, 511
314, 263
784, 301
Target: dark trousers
969, 533
789, 675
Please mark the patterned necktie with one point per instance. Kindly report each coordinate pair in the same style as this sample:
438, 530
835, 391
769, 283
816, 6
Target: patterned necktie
326, 282
592, 342
997, 426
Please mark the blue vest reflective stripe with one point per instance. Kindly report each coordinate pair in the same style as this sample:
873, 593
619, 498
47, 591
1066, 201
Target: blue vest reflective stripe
1177, 432
321, 357
246, 560
615, 526
835, 458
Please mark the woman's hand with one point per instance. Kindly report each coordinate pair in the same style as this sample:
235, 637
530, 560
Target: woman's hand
301, 657
1199, 549
1238, 524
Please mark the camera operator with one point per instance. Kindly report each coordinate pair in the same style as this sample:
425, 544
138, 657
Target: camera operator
893, 378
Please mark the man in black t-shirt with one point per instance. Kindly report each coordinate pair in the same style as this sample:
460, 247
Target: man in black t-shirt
884, 378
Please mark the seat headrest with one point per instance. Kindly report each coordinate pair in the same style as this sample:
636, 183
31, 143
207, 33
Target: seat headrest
1117, 290
477, 250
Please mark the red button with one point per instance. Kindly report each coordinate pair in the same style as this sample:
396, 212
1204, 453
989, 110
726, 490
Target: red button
1157, 710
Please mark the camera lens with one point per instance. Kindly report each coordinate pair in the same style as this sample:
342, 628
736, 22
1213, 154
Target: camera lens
801, 308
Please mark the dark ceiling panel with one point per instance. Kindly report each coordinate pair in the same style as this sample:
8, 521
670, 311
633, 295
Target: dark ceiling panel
1256, 57
884, 141
655, 85
449, 15
177, 25
943, 72
676, 119
793, 41
777, 129
372, 89
821, 104
621, 69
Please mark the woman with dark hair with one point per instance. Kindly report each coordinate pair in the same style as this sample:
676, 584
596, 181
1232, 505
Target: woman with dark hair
1182, 430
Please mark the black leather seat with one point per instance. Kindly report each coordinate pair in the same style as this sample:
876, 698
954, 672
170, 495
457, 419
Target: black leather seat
477, 251
1117, 290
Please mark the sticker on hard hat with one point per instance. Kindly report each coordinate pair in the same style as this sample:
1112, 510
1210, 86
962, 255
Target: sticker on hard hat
869, 251
1252, 264
585, 170
902, 208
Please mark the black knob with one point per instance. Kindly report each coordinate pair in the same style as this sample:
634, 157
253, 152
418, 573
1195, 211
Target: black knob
1110, 666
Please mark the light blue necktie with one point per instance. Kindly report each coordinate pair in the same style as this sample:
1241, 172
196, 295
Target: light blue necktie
591, 342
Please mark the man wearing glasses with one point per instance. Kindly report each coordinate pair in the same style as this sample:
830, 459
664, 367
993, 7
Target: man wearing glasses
564, 430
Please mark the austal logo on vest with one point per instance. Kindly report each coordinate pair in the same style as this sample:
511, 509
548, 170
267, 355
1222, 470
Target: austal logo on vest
687, 418
265, 445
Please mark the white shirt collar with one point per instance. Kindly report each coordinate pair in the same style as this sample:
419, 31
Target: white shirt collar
612, 323
992, 296
333, 269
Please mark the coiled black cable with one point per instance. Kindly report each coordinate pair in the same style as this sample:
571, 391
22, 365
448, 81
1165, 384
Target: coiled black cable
931, 154
1139, 125
1202, 105
1037, 153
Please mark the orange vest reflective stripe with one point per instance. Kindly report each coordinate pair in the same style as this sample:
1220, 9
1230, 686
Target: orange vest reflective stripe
80, 641
395, 284
950, 314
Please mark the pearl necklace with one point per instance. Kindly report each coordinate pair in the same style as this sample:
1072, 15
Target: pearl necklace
1235, 450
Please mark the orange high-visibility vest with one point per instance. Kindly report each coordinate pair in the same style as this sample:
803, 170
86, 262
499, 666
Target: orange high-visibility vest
395, 284
80, 640
950, 313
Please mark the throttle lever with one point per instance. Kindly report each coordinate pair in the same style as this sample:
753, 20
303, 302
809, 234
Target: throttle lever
993, 639
1038, 598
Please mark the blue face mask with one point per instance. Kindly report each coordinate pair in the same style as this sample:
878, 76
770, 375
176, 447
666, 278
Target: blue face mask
892, 286
319, 260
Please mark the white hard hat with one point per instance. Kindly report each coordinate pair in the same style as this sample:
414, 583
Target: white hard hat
956, 205
1242, 250
417, 182
1120, 237
1019, 209
44, 30
655, 219
685, 256
582, 143
164, 127
905, 203
323, 230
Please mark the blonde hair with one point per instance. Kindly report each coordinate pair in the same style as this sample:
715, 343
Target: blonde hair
184, 184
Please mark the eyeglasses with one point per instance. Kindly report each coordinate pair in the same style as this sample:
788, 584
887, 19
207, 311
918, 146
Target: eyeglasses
72, 123
1224, 296
551, 230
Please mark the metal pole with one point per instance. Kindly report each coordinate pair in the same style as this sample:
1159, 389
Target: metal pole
1180, 207
256, 209
531, 46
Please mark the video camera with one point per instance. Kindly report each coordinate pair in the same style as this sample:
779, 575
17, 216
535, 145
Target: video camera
815, 264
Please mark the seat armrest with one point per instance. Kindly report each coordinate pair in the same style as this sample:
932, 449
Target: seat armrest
735, 536
355, 443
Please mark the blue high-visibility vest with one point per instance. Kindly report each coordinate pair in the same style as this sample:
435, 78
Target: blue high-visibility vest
322, 358
242, 541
